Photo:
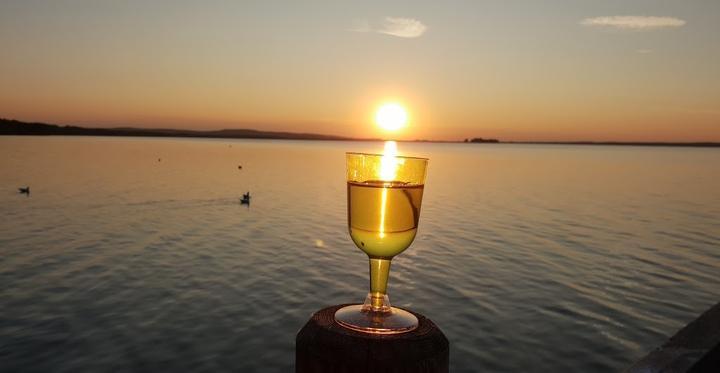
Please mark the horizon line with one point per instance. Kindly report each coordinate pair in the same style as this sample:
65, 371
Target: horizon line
266, 134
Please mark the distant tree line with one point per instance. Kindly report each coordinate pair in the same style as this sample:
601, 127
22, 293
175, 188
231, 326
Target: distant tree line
480, 139
15, 127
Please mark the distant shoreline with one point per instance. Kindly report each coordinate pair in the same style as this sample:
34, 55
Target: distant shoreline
9, 127
620, 143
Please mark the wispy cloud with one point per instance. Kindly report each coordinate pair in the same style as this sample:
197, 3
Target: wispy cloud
634, 22
395, 26
402, 27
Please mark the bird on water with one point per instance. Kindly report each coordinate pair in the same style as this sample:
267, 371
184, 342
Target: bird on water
25, 190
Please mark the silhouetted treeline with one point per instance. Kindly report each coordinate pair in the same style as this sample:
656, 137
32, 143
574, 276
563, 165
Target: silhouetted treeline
15, 127
480, 139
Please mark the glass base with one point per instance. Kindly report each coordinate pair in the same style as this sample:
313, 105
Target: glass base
379, 320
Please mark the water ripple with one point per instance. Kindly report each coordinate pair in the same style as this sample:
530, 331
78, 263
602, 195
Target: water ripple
529, 258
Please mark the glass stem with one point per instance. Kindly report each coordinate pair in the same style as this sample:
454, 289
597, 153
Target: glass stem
379, 272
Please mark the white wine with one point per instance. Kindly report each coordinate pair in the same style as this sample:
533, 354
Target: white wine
383, 220
383, 216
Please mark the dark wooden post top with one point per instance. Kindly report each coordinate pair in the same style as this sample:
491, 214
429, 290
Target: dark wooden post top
695, 348
324, 346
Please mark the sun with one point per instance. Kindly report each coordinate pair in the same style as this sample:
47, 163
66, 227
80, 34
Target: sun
391, 116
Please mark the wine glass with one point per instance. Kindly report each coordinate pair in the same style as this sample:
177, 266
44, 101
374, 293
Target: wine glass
384, 197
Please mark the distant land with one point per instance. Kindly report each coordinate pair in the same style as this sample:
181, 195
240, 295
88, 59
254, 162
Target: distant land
11, 127
15, 127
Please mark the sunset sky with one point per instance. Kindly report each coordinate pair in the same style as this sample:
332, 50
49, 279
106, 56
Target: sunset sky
632, 70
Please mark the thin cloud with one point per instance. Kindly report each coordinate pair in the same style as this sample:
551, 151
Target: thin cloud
402, 27
634, 22
395, 26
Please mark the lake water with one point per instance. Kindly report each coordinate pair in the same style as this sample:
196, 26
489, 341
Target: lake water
135, 254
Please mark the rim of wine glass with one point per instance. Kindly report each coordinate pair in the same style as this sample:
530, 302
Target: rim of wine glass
382, 155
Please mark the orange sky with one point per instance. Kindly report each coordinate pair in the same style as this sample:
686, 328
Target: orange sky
529, 70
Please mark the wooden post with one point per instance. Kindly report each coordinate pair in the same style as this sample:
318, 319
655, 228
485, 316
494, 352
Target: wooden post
693, 349
324, 346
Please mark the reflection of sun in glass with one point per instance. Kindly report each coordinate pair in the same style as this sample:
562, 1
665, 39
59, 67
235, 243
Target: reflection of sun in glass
391, 116
388, 171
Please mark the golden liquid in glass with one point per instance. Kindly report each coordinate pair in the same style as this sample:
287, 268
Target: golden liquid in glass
383, 216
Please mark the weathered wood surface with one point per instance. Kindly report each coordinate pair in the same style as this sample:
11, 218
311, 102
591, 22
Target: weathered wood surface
324, 346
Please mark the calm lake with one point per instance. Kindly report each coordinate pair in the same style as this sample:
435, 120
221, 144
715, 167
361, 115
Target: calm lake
134, 254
